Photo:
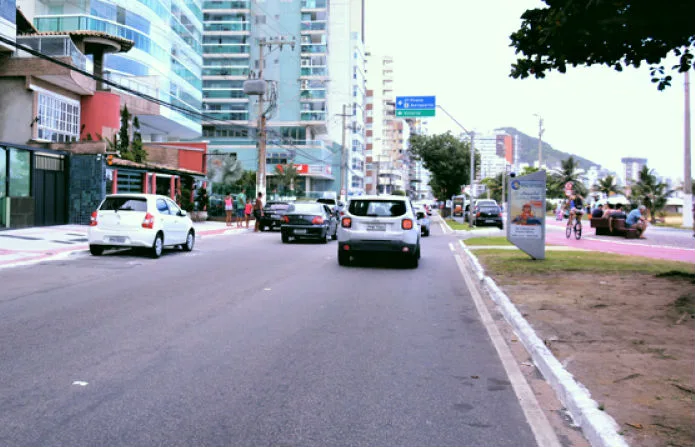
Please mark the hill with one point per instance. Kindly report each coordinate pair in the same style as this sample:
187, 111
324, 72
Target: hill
528, 151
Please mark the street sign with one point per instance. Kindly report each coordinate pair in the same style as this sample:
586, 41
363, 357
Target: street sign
414, 113
416, 102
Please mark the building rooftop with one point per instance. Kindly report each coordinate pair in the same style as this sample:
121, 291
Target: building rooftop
89, 37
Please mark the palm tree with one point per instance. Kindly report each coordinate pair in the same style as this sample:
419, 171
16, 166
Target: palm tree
607, 185
529, 170
651, 192
568, 172
224, 173
285, 176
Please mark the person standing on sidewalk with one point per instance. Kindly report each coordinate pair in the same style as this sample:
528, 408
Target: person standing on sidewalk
241, 208
228, 209
258, 211
248, 209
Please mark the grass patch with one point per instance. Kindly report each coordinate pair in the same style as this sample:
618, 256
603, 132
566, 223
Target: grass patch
678, 274
685, 304
492, 240
460, 226
506, 262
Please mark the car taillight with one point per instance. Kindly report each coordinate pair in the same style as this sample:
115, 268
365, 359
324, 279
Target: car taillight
500, 214
318, 220
93, 220
285, 219
148, 222
407, 224
346, 222
477, 214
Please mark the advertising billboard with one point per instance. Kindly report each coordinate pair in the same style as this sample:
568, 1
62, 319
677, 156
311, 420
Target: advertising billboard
526, 214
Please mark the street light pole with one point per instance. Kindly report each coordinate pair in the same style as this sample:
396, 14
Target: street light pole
687, 181
540, 140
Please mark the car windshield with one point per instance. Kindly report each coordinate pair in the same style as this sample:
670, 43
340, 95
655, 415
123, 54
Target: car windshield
124, 204
305, 208
377, 208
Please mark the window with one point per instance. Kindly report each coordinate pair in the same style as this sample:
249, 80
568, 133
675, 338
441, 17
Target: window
377, 208
122, 203
173, 208
260, 19
20, 173
162, 207
58, 118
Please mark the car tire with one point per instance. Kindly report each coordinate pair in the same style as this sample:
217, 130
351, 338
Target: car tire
501, 227
335, 234
326, 237
285, 238
426, 232
157, 246
343, 257
190, 241
413, 260
261, 227
96, 250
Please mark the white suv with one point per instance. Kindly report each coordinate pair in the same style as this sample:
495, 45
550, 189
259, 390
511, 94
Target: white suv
379, 224
139, 221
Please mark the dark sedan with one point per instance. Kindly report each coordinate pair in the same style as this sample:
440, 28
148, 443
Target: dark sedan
309, 221
272, 214
488, 215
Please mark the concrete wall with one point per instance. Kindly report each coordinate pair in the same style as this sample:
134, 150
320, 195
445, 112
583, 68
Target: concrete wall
16, 111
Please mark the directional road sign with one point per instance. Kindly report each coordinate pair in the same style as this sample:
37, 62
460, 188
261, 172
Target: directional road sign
415, 102
414, 113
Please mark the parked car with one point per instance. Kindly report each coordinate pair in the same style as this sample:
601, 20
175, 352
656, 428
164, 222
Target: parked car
423, 220
272, 214
308, 220
139, 221
379, 224
336, 206
488, 214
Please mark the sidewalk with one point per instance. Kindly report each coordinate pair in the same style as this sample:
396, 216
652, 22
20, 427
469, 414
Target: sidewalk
36, 244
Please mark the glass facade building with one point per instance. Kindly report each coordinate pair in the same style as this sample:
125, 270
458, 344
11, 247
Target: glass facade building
166, 59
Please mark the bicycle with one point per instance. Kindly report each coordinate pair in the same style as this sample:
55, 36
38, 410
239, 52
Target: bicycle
577, 227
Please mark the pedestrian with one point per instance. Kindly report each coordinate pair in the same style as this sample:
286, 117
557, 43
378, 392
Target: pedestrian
229, 209
258, 211
558, 211
247, 211
636, 219
241, 208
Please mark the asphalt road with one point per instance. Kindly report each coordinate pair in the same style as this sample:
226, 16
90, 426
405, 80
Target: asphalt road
249, 342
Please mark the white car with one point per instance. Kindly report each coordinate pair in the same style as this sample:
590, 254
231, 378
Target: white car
379, 224
139, 221
423, 220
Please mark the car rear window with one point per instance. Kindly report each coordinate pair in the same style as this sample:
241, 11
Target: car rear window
308, 208
124, 204
279, 206
377, 208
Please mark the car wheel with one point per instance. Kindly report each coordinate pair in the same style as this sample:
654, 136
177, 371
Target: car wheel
326, 237
96, 250
412, 260
343, 257
501, 227
335, 234
426, 232
285, 238
157, 246
261, 227
190, 241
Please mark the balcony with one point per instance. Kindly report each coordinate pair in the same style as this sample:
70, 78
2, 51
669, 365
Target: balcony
313, 25
226, 71
57, 46
314, 4
215, 48
308, 95
223, 94
314, 71
226, 26
314, 48
218, 5
311, 115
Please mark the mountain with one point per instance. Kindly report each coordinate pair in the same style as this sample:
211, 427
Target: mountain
528, 151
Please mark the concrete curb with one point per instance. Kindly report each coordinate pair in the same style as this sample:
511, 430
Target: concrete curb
599, 427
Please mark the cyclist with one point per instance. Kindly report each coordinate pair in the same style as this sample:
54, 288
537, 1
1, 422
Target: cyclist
576, 207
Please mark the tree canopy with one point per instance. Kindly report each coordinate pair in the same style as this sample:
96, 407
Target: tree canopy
651, 192
567, 172
448, 160
615, 33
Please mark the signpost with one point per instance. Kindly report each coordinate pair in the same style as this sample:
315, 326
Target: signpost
526, 213
415, 106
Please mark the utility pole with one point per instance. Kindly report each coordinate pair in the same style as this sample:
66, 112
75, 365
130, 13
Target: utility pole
470, 206
344, 157
540, 140
687, 180
262, 118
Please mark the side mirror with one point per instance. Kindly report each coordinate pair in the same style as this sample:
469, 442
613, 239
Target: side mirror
182, 213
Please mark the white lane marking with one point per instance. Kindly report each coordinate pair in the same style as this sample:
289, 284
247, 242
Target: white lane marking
80, 383
451, 247
542, 430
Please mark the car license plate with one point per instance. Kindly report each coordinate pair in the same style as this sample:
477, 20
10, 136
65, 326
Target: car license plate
299, 231
275, 216
489, 221
117, 239
376, 227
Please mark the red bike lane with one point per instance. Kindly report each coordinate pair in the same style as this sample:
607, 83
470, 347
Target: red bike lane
555, 235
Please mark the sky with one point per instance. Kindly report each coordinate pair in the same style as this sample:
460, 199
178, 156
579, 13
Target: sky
458, 50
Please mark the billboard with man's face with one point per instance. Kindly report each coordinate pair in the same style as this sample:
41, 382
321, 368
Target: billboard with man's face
526, 215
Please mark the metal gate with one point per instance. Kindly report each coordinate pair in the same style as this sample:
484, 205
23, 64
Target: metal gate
49, 190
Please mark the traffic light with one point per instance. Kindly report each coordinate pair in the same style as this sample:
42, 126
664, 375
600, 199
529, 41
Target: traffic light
109, 160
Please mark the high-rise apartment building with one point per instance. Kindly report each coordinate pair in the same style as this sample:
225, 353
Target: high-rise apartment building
165, 62
631, 168
8, 27
310, 78
497, 152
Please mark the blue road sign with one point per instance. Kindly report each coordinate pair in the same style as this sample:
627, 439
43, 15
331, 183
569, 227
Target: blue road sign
415, 103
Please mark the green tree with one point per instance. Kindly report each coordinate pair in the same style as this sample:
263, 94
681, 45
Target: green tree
223, 172
123, 142
607, 186
494, 186
247, 182
137, 152
398, 192
650, 192
285, 178
448, 160
617, 34
526, 170
568, 172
